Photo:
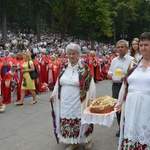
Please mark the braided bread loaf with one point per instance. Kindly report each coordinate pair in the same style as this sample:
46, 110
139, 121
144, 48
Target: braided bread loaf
102, 105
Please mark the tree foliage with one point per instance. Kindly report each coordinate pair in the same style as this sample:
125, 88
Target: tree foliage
95, 16
89, 19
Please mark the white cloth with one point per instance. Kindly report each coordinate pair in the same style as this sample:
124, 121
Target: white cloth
70, 95
120, 97
121, 126
101, 119
137, 117
137, 110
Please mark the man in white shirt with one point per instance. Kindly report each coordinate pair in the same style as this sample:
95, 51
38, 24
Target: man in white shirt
118, 69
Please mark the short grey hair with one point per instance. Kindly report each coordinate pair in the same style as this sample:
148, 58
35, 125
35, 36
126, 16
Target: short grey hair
73, 46
126, 43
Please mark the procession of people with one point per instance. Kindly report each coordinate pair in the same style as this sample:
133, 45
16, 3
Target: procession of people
71, 68
47, 56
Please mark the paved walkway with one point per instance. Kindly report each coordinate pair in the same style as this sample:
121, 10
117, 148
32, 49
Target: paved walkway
29, 127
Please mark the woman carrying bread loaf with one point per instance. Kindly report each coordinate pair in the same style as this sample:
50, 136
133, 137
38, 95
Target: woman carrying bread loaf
71, 94
134, 98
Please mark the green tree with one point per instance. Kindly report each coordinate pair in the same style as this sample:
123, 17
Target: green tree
126, 14
88, 19
65, 12
142, 21
94, 16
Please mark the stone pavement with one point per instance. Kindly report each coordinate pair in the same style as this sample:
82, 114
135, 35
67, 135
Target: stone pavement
29, 127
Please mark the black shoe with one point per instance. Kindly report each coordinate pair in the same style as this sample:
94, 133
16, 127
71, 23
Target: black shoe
118, 134
19, 104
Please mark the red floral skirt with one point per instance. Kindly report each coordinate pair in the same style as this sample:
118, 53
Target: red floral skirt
129, 145
70, 128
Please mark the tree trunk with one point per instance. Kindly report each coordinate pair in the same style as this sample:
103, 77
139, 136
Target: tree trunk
37, 21
52, 23
114, 35
4, 21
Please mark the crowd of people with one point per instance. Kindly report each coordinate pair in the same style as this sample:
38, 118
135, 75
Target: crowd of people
47, 56
71, 65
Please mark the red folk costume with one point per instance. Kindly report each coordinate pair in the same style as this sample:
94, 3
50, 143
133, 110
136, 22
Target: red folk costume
53, 71
6, 62
105, 69
61, 60
0, 84
0, 78
109, 59
44, 72
10, 87
94, 66
0, 64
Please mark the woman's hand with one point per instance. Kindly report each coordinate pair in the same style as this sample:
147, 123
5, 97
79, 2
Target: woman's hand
118, 107
51, 98
23, 70
118, 110
90, 101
